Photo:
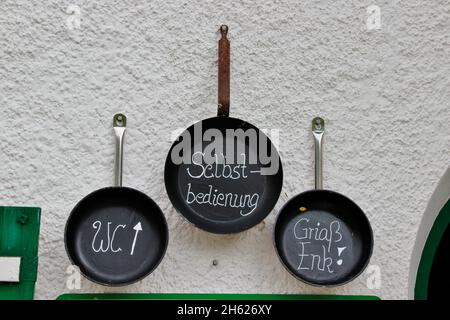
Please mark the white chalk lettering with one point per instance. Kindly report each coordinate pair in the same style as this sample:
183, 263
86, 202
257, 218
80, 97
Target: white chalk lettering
110, 238
329, 235
247, 203
216, 170
312, 261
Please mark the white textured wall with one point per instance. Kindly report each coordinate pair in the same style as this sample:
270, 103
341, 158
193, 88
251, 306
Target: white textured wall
384, 93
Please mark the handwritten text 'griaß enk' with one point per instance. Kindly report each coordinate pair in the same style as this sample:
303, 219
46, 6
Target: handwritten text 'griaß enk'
246, 203
328, 235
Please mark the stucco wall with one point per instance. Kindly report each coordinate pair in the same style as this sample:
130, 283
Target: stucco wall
384, 94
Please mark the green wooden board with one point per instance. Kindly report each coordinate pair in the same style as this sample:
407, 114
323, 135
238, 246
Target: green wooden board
19, 237
206, 296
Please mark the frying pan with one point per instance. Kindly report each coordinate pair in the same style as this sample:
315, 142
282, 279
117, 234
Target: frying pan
203, 191
322, 237
116, 235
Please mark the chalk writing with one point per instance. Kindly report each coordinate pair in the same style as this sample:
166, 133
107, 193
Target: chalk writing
137, 228
215, 196
317, 241
218, 169
330, 234
321, 261
110, 243
107, 245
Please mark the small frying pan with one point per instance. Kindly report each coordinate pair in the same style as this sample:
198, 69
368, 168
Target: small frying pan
116, 235
230, 193
322, 237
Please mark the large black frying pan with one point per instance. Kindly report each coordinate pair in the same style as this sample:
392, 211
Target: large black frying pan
322, 237
116, 235
236, 188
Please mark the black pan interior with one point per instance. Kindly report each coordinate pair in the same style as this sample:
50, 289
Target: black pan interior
258, 192
101, 231
323, 238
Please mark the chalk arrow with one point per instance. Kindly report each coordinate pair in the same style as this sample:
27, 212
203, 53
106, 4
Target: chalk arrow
137, 227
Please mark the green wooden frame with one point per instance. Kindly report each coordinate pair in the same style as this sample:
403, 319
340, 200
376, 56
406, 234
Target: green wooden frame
19, 237
431, 245
206, 296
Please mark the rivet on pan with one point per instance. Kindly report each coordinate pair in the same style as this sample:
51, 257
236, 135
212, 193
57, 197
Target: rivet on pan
215, 262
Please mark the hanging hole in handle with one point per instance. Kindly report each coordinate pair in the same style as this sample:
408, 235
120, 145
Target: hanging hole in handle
318, 125
223, 29
120, 120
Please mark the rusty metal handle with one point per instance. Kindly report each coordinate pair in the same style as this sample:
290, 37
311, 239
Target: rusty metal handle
224, 73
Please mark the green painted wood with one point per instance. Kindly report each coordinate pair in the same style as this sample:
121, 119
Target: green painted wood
207, 296
19, 237
429, 251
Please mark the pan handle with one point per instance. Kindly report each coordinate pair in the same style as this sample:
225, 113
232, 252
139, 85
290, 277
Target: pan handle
119, 125
318, 129
224, 73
